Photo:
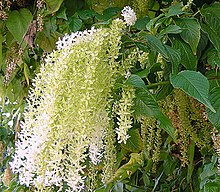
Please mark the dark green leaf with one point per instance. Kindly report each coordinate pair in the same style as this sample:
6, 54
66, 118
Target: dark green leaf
61, 14
215, 101
155, 44
111, 11
175, 58
164, 91
75, 24
86, 14
53, 5
212, 16
214, 78
1, 40
135, 81
142, 73
175, 10
171, 29
213, 58
145, 104
213, 36
141, 23
134, 143
3, 133
188, 60
194, 84
190, 32
18, 23
45, 42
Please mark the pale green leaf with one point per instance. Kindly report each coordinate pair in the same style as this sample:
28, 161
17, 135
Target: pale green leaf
194, 84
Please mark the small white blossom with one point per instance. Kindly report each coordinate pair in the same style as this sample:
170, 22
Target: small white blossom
129, 15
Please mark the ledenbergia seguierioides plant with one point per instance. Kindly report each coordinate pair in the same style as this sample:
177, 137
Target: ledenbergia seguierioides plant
75, 120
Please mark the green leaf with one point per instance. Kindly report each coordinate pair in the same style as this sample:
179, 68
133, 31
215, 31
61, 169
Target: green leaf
145, 104
164, 91
213, 36
61, 14
188, 60
214, 78
134, 143
215, 101
111, 11
174, 57
1, 40
194, 84
141, 23
190, 32
86, 14
155, 44
26, 72
212, 16
175, 10
212, 187
18, 23
75, 24
171, 29
53, 5
118, 187
135, 81
47, 43
126, 170
3, 133
213, 58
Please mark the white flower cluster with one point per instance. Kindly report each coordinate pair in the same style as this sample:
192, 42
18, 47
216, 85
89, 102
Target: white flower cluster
125, 114
67, 114
78, 37
129, 15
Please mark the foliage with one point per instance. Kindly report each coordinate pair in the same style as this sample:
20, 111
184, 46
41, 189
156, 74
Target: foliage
163, 101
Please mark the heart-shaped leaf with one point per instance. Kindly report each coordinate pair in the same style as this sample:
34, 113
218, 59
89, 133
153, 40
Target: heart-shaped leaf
18, 23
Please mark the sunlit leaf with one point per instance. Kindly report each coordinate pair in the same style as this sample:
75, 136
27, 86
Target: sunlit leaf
194, 84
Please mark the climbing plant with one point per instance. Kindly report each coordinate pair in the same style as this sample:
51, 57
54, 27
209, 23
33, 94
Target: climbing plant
109, 95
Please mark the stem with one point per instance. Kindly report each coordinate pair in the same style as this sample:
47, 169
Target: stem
158, 83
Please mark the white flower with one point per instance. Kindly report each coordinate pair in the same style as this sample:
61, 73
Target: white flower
129, 15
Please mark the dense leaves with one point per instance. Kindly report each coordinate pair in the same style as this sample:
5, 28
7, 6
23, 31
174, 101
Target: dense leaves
173, 142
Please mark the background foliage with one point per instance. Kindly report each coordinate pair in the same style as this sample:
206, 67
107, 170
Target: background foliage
177, 102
